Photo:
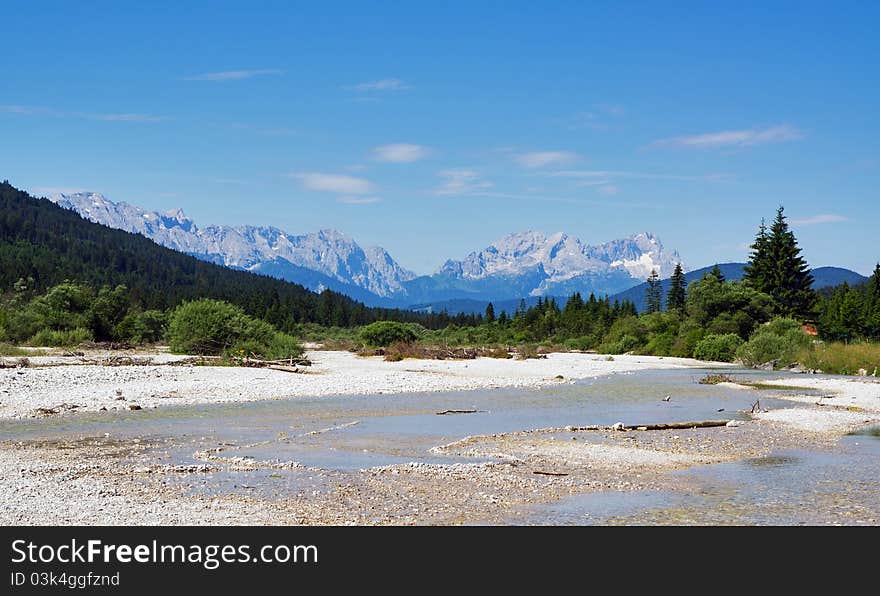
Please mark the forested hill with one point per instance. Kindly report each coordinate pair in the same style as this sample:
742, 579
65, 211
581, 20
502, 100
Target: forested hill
824, 277
49, 244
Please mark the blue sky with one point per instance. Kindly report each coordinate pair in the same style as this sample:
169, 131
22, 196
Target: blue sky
433, 129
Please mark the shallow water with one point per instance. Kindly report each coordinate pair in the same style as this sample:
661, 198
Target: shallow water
388, 429
792, 487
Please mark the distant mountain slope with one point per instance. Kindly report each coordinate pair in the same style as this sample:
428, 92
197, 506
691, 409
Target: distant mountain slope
532, 264
41, 240
522, 264
823, 276
342, 264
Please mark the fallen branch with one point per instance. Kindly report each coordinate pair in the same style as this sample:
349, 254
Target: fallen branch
543, 473
444, 412
677, 425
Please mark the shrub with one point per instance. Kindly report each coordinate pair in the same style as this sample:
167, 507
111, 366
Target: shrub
283, 347
625, 344
142, 327
528, 351
585, 342
213, 327
721, 348
779, 340
61, 338
385, 333
660, 344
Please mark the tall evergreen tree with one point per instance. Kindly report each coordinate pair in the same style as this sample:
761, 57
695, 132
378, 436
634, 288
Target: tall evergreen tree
778, 269
490, 313
677, 295
716, 271
654, 293
757, 270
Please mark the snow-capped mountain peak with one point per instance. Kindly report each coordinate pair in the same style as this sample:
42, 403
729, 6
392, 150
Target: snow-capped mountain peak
563, 257
328, 252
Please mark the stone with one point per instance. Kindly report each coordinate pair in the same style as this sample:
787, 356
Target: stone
733, 423
618, 426
862, 372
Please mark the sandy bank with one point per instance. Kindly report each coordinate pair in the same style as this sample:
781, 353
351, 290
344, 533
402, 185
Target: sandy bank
51, 383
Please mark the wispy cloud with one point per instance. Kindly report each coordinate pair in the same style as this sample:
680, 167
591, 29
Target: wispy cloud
358, 200
53, 113
608, 190
461, 181
338, 183
542, 159
819, 219
598, 117
381, 85
400, 153
734, 138
233, 75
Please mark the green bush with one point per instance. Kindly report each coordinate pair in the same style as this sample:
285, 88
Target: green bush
779, 340
625, 344
660, 344
385, 333
213, 327
142, 327
61, 338
721, 348
585, 342
283, 347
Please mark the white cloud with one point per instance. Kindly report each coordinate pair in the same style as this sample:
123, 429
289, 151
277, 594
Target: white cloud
382, 85
734, 138
358, 200
461, 181
400, 153
233, 75
339, 183
541, 159
608, 190
818, 219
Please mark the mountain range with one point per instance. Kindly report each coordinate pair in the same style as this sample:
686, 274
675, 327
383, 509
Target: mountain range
526, 264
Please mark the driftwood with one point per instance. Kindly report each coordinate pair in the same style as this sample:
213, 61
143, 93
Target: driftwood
444, 412
543, 473
657, 426
677, 425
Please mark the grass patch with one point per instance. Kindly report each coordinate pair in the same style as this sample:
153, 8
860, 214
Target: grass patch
771, 387
10, 350
715, 379
842, 359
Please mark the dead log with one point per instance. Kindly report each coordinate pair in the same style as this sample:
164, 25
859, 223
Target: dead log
290, 369
444, 412
543, 473
677, 425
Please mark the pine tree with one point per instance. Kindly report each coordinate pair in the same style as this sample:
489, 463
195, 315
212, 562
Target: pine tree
756, 272
778, 269
653, 293
716, 271
490, 313
677, 295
